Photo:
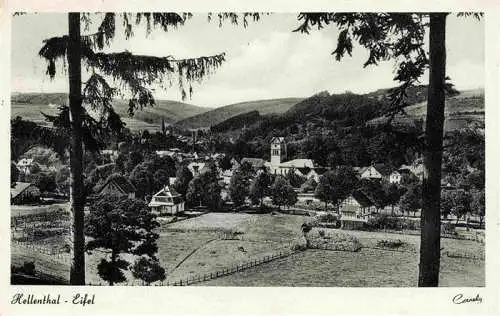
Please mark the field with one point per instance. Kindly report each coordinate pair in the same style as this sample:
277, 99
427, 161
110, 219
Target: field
367, 268
193, 247
200, 245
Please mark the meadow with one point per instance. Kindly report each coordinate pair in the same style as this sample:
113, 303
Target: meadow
200, 245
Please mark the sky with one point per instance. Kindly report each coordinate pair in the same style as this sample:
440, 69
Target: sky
263, 61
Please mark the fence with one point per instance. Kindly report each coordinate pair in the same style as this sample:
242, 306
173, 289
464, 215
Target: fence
220, 273
53, 254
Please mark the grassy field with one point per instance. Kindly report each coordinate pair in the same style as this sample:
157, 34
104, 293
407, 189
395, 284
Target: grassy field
192, 247
194, 241
367, 268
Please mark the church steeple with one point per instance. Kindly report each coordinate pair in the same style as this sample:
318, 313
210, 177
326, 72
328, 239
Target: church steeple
278, 150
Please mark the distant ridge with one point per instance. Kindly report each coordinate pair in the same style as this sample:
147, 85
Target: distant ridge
218, 115
29, 106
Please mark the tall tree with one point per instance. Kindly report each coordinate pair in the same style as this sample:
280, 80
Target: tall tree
282, 193
121, 225
134, 71
238, 189
260, 187
401, 37
183, 177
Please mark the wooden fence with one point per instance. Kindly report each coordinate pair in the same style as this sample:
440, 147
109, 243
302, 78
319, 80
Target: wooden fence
219, 273
53, 254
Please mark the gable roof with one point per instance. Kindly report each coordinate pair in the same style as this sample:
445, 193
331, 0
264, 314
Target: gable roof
363, 199
277, 139
167, 191
255, 162
19, 188
122, 183
382, 169
298, 163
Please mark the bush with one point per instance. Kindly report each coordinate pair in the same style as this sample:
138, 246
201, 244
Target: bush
306, 227
27, 268
298, 247
327, 218
333, 241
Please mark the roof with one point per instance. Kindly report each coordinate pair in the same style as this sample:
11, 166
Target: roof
383, 169
362, 198
277, 139
199, 165
298, 163
255, 162
19, 188
167, 191
122, 183
25, 162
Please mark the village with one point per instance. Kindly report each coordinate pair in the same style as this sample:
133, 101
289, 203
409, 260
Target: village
250, 157
311, 203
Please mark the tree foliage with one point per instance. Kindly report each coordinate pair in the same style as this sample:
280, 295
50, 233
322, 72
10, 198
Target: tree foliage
336, 185
260, 187
120, 225
282, 193
148, 270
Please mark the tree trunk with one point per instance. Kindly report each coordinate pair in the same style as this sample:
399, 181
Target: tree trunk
433, 155
77, 271
113, 264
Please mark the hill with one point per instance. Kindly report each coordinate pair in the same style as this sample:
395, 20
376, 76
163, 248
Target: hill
29, 106
237, 121
464, 109
218, 115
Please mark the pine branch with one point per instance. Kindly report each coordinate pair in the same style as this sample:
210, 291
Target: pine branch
235, 18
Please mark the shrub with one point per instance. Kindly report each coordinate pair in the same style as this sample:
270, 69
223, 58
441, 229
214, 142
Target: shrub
321, 233
327, 218
336, 241
28, 268
306, 227
298, 247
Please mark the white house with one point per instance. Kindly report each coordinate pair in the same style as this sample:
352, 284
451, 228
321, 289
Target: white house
355, 210
166, 202
196, 167
369, 173
395, 177
24, 165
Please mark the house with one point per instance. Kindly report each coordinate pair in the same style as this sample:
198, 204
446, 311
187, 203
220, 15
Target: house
23, 193
196, 167
24, 165
226, 176
416, 169
355, 210
303, 167
395, 177
166, 202
118, 186
369, 172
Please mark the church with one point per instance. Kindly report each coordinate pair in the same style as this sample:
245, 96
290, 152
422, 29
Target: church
303, 167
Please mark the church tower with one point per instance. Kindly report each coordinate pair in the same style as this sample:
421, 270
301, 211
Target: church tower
278, 151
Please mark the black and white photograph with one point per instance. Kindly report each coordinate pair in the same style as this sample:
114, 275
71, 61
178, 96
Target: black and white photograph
187, 160
248, 149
